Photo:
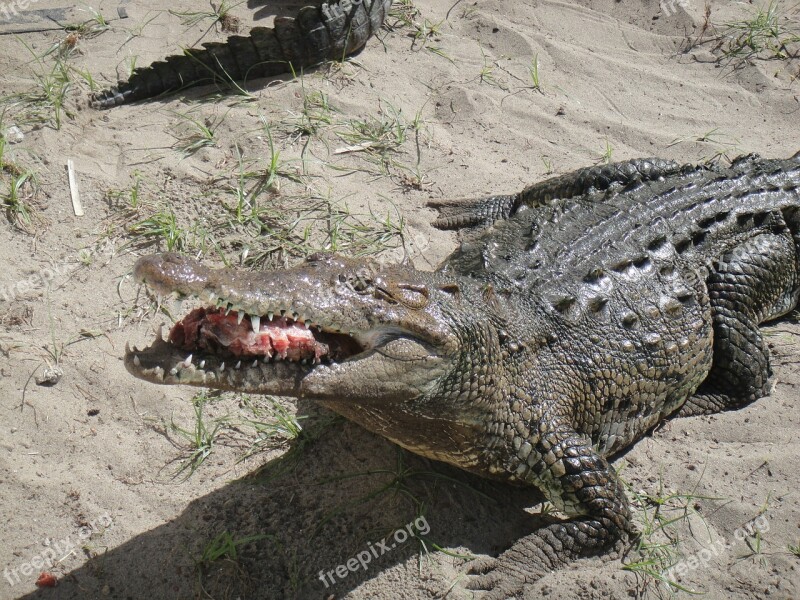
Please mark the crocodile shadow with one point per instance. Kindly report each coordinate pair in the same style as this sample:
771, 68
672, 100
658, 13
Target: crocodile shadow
338, 492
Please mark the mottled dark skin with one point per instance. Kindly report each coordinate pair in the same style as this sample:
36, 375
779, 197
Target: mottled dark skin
575, 316
328, 31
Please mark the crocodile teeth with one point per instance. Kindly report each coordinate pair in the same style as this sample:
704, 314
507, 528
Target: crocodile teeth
255, 323
239, 317
238, 364
202, 364
228, 309
188, 362
136, 360
222, 367
255, 363
270, 316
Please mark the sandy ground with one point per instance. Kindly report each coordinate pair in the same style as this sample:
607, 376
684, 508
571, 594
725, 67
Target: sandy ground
87, 465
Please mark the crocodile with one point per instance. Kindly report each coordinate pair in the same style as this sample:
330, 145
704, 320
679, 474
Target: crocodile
574, 317
328, 31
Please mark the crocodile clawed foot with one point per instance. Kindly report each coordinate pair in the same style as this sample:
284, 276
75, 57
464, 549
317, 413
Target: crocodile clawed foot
501, 578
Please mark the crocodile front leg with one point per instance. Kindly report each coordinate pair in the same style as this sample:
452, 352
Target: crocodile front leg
578, 481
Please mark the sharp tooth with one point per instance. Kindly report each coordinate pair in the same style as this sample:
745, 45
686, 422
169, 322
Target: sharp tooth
319, 328
255, 363
255, 323
136, 360
222, 367
212, 298
228, 310
238, 364
295, 316
265, 360
202, 364
240, 317
302, 362
188, 362
270, 316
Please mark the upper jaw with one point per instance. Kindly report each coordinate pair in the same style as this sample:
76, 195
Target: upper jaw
251, 295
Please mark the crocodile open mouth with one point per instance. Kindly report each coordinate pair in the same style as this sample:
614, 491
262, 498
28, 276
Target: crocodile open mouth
239, 336
213, 340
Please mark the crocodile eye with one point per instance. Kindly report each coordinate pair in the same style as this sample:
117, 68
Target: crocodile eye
411, 295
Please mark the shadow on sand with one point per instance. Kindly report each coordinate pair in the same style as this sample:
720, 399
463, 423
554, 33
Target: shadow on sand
339, 491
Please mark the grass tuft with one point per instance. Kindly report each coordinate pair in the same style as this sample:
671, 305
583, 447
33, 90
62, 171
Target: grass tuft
769, 33
201, 438
220, 16
658, 547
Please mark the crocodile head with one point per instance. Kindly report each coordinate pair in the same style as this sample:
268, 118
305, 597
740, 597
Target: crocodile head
382, 345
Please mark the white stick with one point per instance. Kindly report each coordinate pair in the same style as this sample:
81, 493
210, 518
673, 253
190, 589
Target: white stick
73, 189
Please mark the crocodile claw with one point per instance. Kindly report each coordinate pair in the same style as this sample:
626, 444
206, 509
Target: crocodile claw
501, 577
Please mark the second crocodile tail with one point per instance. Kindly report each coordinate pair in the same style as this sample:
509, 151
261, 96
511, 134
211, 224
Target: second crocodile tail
318, 33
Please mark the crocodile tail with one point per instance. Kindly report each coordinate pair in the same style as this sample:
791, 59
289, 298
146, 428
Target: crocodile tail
318, 33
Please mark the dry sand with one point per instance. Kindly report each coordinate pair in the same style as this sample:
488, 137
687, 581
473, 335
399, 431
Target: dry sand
90, 451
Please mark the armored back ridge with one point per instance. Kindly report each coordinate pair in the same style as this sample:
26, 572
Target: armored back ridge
575, 316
